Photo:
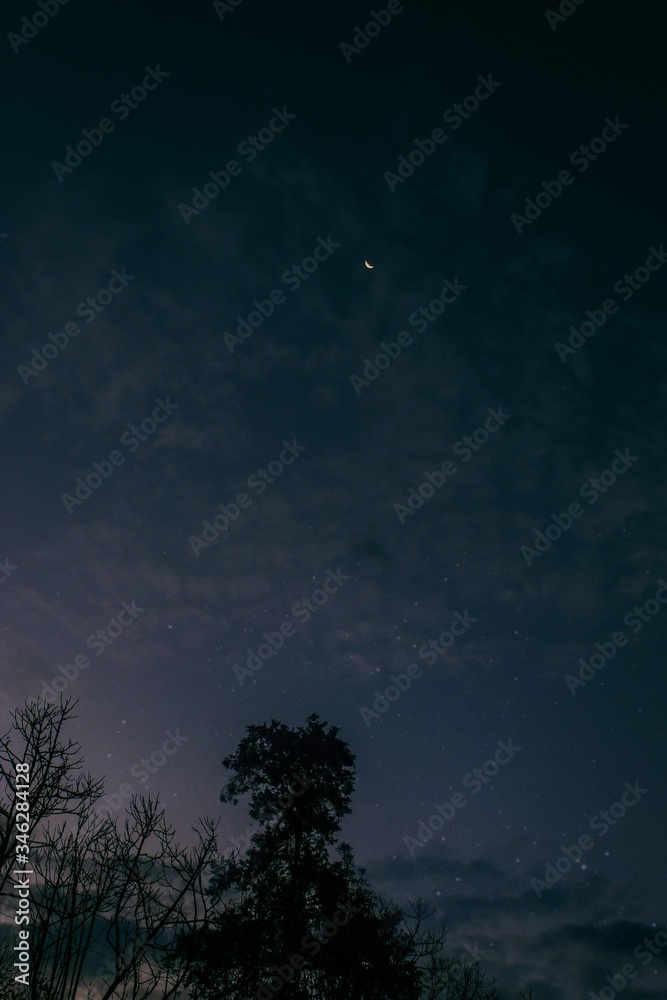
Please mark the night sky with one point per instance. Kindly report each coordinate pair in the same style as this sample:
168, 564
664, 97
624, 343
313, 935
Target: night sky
484, 507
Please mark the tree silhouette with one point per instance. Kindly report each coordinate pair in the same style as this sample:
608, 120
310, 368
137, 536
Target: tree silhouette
105, 903
298, 917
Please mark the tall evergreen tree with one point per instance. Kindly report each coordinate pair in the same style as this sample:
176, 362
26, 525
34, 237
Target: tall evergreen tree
298, 919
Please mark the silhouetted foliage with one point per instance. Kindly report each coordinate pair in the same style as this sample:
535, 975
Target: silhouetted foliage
297, 916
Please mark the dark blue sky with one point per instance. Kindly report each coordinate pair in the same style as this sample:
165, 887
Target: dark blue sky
409, 512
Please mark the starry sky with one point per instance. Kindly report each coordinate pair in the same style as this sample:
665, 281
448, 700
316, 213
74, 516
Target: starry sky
200, 448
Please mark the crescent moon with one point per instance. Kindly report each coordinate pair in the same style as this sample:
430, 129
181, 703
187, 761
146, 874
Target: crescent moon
369, 265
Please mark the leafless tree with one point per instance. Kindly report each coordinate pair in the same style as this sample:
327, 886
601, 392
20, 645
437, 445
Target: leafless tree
445, 977
106, 903
57, 788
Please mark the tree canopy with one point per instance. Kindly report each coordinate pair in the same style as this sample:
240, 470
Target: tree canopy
296, 915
